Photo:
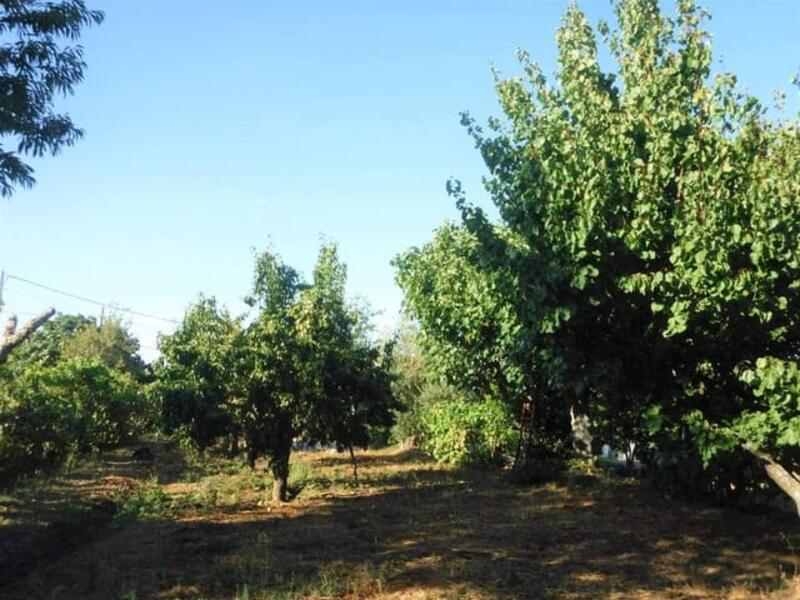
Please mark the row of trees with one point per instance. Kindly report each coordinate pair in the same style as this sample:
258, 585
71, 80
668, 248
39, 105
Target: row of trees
641, 284
642, 280
303, 366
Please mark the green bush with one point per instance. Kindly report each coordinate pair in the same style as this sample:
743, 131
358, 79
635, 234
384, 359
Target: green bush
145, 502
106, 401
48, 414
37, 433
408, 424
465, 432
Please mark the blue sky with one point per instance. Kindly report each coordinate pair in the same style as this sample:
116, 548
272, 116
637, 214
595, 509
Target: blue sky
214, 127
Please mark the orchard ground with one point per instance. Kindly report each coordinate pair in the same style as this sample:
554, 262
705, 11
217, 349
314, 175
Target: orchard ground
189, 527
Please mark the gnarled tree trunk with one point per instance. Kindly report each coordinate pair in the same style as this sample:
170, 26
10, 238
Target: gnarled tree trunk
581, 430
280, 474
233, 444
780, 476
13, 337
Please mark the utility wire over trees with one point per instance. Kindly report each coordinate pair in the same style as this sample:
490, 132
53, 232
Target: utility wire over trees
14, 336
115, 308
34, 68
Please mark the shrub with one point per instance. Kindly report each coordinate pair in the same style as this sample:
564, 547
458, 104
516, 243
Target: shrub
145, 502
37, 433
48, 414
409, 423
105, 400
465, 432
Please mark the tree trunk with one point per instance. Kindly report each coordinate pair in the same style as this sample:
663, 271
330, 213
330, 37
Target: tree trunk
630, 453
233, 446
279, 486
353, 459
581, 432
280, 474
14, 337
788, 483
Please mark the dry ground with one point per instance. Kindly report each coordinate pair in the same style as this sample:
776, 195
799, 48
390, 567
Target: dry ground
409, 529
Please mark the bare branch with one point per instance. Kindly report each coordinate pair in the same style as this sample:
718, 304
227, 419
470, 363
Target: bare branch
16, 337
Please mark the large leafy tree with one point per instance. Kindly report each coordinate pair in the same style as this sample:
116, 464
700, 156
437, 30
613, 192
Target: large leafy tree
352, 375
198, 381
109, 342
279, 403
34, 68
649, 226
314, 373
303, 366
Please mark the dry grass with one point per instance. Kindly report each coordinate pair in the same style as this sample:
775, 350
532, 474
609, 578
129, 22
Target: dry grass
409, 529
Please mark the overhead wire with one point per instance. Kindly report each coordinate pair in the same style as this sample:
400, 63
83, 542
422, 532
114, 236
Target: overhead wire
111, 307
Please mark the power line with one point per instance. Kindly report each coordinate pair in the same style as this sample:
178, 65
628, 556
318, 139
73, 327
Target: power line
21, 313
89, 300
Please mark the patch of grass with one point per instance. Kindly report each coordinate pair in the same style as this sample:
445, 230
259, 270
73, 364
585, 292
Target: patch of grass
147, 501
410, 529
334, 580
128, 592
300, 475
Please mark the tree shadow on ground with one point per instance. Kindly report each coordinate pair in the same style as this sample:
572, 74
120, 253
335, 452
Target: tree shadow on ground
403, 457
445, 533
47, 517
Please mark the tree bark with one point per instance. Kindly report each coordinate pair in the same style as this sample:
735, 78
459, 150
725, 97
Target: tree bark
233, 446
581, 431
279, 486
786, 481
14, 337
280, 474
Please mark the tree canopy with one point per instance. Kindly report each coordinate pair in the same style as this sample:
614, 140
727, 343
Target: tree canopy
645, 263
300, 366
34, 68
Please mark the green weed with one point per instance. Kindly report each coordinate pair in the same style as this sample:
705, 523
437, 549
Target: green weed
147, 501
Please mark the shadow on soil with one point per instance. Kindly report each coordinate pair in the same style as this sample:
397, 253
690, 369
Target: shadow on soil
445, 532
47, 518
403, 457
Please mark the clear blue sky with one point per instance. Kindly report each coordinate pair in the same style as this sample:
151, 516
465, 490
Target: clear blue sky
213, 127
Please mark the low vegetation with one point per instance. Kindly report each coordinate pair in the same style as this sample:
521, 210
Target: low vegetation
192, 526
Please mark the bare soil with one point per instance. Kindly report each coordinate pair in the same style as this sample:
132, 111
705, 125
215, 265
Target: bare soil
409, 528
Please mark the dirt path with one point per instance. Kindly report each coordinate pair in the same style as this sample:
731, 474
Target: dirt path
413, 529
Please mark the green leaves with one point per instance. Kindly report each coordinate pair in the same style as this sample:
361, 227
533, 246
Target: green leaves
35, 69
77, 406
199, 375
304, 366
464, 431
647, 247
774, 421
